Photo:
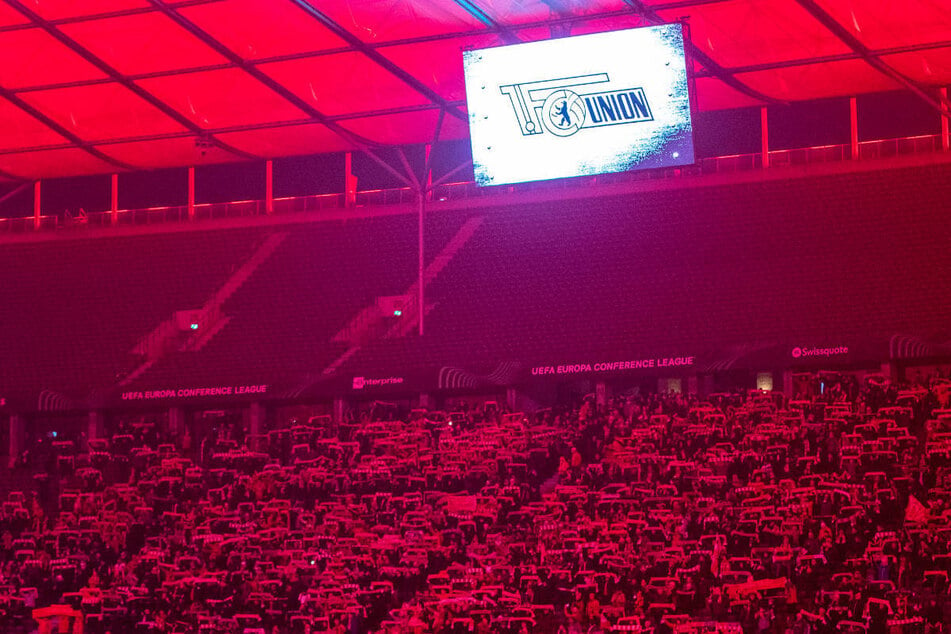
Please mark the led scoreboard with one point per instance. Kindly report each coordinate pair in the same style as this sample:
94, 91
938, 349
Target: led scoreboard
577, 106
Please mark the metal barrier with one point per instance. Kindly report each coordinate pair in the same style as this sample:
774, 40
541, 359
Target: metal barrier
884, 148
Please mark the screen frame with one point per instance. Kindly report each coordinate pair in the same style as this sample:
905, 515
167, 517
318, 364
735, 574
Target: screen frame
690, 105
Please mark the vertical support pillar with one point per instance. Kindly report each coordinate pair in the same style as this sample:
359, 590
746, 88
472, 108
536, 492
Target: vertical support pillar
340, 410
182, 432
95, 425
421, 305
891, 370
511, 398
764, 125
176, 422
853, 129
16, 438
788, 384
425, 402
191, 193
37, 190
707, 385
350, 182
258, 419
945, 134
429, 172
269, 187
114, 205
601, 394
693, 384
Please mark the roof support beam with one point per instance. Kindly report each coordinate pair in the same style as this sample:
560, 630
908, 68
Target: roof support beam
651, 15
356, 140
9, 176
13, 192
945, 135
684, 4
840, 57
60, 130
259, 75
37, 207
317, 116
191, 193
114, 200
824, 18
427, 177
853, 129
733, 70
380, 59
414, 181
445, 177
507, 35
566, 20
99, 63
428, 165
403, 178
118, 13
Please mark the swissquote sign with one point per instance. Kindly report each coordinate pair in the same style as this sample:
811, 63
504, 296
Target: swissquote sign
830, 351
605, 102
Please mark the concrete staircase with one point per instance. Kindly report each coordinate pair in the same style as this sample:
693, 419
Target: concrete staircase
166, 338
411, 312
245, 271
410, 318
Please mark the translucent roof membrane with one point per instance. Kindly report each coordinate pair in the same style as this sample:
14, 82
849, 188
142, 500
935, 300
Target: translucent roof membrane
106, 85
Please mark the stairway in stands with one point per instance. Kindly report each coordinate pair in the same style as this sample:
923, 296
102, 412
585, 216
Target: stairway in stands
410, 318
262, 253
209, 318
411, 311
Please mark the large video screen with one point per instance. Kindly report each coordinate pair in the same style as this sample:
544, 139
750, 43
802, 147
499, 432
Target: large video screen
577, 106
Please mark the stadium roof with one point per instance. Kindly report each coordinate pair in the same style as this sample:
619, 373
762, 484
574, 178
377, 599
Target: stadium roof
100, 86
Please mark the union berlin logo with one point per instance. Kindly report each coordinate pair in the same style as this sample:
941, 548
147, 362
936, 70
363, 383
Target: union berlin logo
567, 105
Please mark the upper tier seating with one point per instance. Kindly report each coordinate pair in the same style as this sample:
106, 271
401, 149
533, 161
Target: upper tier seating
835, 257
827, 258
71, 311
286, 314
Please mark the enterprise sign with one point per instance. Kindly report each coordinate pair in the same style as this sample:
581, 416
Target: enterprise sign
606, 102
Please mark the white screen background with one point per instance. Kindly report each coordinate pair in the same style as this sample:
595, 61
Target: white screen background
651, 58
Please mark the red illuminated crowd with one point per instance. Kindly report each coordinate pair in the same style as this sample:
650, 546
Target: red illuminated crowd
744, 512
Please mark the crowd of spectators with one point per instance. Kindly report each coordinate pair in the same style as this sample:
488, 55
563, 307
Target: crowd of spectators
661, 513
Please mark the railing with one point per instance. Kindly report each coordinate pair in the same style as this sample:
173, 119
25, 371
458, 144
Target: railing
884, 148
